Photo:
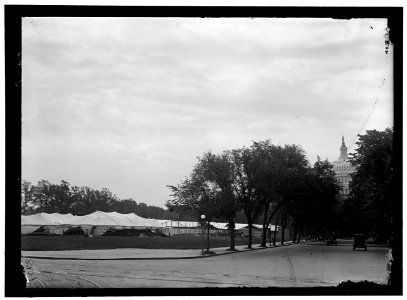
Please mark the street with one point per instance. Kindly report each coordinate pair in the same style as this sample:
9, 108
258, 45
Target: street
310, 264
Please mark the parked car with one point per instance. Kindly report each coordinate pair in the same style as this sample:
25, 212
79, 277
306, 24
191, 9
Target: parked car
359, 241
331, 240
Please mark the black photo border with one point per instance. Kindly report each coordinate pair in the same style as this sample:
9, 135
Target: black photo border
13, 15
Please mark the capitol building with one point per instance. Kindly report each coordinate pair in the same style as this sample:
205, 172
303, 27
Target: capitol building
343, 170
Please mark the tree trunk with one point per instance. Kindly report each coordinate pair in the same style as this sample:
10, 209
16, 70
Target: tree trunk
282, 234
295, 235
265, 225
249, 245
264, 237
275, 231
232, 234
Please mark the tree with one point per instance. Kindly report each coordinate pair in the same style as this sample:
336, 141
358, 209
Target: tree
190, 196
209, 191
370, 205
78, 201
63, 197
219, 170
276, 165
374, 204
307, 196
244, 187
327, 193
27, 198
268, 164
295, 201
44, 197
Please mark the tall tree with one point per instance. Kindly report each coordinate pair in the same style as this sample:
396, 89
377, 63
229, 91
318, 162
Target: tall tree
308, 197
244, 186
370, 205
209, 190
276, 166
44, 196
326, 195
63, 197
27, 198
219, 170
375, 200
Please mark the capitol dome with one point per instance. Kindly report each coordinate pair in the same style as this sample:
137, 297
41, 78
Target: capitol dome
343, 170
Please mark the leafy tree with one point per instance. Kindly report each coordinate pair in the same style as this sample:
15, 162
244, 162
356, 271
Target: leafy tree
309, 198
78, 202
219, 171
276, 166
244, 186
190, 195
64, 198
43, 196
295, 203
124, 206
27, 198
370, 205
326, 196
209, 191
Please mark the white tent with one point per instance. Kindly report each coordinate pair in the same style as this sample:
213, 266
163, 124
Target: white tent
95, 219
59, 218
240, 226
170, 223
218, 225
44, 223
271, 227
38, 219
154, 223
97, 223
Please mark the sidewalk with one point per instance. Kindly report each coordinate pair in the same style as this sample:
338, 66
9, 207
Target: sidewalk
137, 253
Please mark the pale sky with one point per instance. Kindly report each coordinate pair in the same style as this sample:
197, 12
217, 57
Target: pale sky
129, 103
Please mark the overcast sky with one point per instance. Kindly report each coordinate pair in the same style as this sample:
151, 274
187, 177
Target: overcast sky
129, 103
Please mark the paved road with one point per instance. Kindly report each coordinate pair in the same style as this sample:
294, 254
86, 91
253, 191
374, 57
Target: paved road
305, 265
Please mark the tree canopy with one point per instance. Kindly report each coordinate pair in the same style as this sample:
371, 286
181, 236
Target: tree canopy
370, 205
64, 198
266, 183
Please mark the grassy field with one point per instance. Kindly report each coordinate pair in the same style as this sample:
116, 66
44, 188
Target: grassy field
78, 242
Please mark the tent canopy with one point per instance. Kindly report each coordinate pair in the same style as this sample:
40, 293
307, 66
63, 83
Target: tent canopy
100, 218
95, 219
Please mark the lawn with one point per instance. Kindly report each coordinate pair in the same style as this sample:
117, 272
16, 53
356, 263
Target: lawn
78, 242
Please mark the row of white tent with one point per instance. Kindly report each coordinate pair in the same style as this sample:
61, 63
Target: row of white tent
99, 222
95, 219
95, 224
218, 225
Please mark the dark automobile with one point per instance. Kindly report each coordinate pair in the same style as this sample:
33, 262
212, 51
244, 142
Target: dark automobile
331, 240
359, 241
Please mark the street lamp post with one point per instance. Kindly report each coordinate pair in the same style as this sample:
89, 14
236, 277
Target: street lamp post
207, 250
202, 233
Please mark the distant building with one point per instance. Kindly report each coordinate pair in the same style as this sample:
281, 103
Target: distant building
343, 170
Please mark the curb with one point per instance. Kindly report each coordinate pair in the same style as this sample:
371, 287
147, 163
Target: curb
159, 258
